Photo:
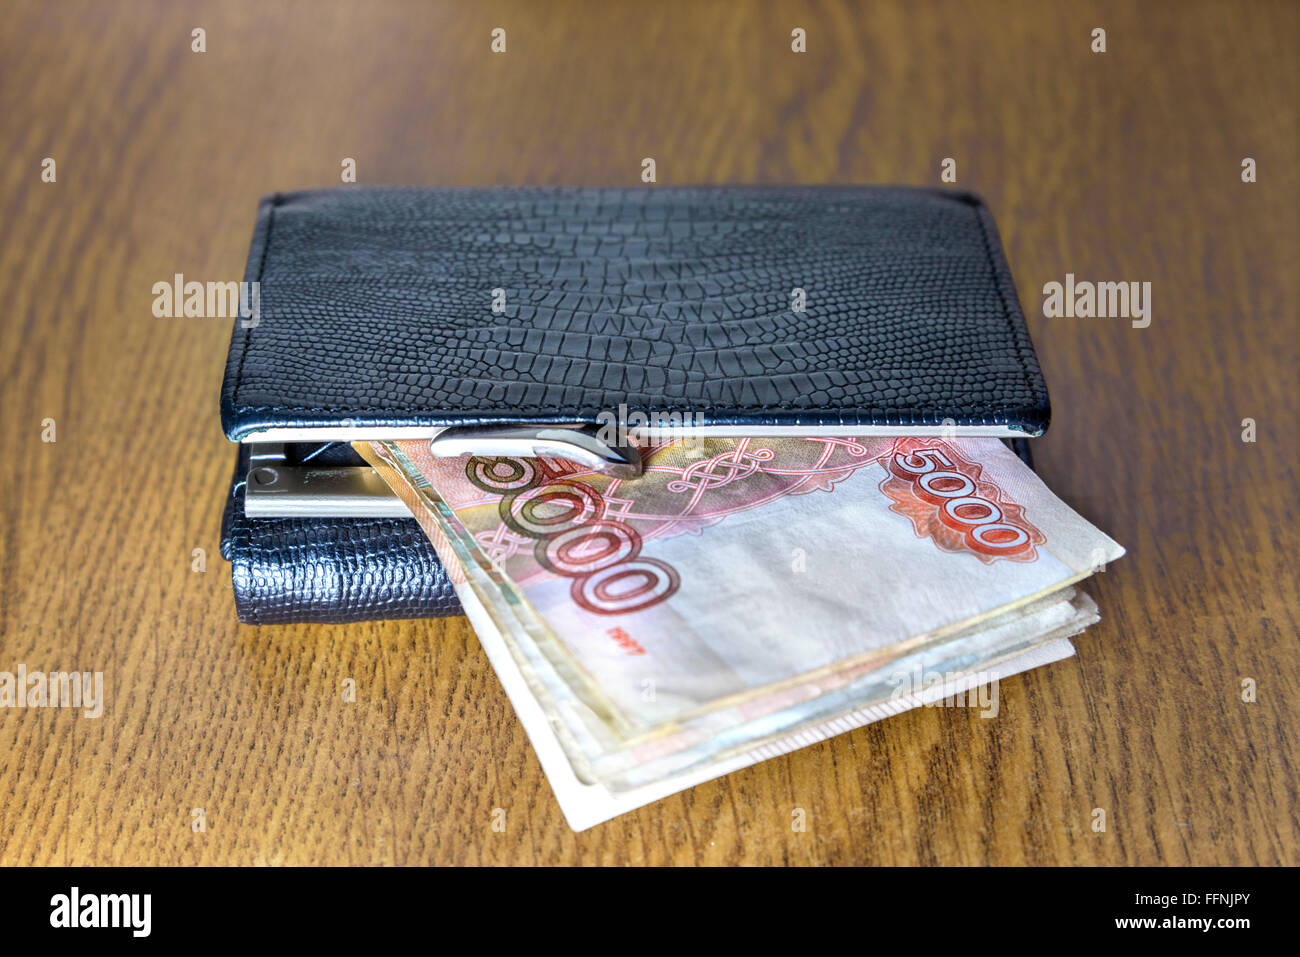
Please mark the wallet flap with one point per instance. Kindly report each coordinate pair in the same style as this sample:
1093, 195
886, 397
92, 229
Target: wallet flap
331, 570
746, 308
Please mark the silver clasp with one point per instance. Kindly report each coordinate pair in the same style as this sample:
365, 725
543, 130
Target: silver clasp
575, 443
278, 490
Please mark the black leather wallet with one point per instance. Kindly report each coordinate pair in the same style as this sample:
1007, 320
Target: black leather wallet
484, 317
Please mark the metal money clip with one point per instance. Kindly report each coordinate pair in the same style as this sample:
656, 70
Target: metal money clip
278, 489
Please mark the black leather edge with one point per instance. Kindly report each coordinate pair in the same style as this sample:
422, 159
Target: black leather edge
257, 251
331, 571
1037, 417
1022, 449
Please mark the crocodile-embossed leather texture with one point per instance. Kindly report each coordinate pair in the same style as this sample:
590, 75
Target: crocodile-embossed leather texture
330, 570
377, 309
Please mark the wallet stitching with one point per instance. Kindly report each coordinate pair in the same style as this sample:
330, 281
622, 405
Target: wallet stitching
261, 268
979, 210
1017, 336
983, 411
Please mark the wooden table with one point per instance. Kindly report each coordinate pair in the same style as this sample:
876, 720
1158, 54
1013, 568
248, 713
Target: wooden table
1123, 165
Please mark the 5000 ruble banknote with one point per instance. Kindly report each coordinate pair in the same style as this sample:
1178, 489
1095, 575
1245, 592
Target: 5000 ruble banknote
743, 589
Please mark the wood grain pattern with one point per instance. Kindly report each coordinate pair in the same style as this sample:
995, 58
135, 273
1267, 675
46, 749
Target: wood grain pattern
1118, 166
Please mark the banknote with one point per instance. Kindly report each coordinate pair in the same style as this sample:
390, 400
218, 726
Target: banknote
586, 803
743, 589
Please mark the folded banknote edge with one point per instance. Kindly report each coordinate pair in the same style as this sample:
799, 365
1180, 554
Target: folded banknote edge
586, 805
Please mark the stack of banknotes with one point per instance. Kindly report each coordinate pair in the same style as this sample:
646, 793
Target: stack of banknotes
745, 597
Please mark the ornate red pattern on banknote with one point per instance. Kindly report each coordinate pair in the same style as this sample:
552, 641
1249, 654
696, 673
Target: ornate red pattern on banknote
948, 500
688, 494
591, 529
